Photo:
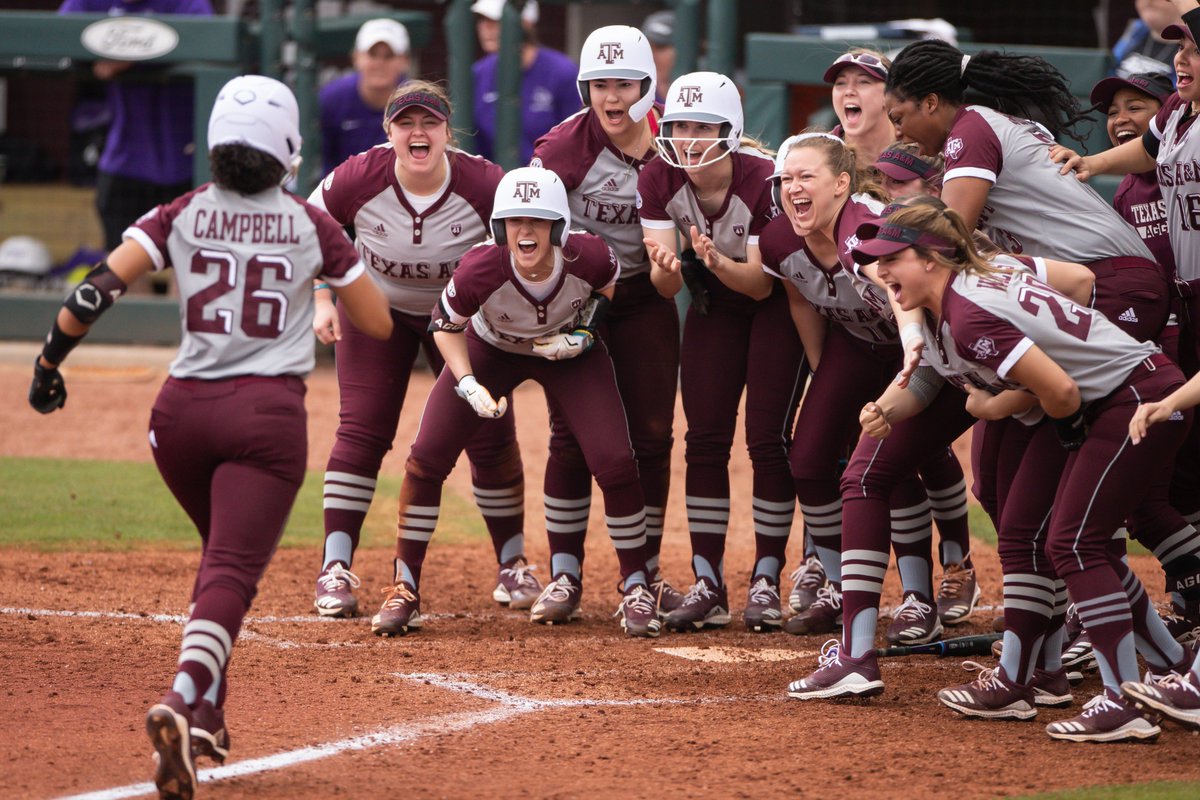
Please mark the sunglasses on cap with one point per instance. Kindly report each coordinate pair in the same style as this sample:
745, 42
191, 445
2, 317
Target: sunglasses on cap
869, 63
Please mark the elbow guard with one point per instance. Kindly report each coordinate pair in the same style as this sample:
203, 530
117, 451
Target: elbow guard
925, 383
93, 296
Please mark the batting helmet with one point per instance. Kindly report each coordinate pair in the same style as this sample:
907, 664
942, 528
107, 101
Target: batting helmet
618, 51
702, 97
261, 113
532, 192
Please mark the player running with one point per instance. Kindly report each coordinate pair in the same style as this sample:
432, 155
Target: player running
228, 429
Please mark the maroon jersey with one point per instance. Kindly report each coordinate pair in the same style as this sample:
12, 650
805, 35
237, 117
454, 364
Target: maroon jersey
487, 291
244, 267
837, 293
410, 253
667, 201
1140, 202
601, 184
993, 319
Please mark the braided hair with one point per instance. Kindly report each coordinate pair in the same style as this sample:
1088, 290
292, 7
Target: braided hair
1029, 87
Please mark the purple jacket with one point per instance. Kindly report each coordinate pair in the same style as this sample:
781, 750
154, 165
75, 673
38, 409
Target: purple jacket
348, 125
548, 96
151, 134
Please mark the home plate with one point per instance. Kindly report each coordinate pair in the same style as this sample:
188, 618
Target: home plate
734, 655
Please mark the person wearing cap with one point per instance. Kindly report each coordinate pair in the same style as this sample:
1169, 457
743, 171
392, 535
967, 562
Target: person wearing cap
1018, 345
352, 104
147, 157
857, 77
416, 207
659, 28
904, 172
548, 90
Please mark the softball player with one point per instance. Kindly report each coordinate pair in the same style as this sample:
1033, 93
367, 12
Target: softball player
527, 305
1024, 342
599, 154
710, 189
416, 206
857, 78
847, 326
228, 429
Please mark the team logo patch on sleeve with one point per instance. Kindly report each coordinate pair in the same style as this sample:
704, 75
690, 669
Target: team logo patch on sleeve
953, 148
852, 241
637, 200
984, 348
327, 184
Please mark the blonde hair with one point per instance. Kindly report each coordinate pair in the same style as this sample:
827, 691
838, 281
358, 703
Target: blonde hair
427, 87
930, 215
841, 157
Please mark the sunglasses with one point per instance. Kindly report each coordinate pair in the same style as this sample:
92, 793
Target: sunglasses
862, 60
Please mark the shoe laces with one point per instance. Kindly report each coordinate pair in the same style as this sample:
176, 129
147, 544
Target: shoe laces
831, 655
1174, 680
763, 592
1100, 704
397, 595
559, 590
698, 592
954, 578
809, 575
829, 596
913, 609
520, 573
337, 577
638, 601
988, 678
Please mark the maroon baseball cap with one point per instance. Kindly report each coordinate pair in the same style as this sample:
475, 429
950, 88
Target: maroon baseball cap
868, 62
901, 166
1152, 84
877, 241
1174, 32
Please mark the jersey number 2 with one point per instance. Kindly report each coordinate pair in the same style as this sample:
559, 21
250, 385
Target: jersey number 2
264, 311
1032, 299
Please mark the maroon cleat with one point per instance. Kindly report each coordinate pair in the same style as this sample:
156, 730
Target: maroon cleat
838, 675
990, 696
168, 724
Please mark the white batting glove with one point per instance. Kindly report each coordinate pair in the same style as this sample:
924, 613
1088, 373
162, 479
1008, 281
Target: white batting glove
480, 398
559, 346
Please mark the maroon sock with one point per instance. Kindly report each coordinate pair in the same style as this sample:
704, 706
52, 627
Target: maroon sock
1103, 609
420, 502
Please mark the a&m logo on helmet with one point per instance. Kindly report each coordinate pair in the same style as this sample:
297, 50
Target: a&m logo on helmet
527, 191
690, 95
610, 52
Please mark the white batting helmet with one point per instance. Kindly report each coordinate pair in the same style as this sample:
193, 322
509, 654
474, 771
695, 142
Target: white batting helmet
702, 97
261, 113
619, 51
532, 192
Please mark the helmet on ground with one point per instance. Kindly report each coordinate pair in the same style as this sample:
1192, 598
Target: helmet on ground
619, 51
532, 192
261, 113
25, 255
702, 97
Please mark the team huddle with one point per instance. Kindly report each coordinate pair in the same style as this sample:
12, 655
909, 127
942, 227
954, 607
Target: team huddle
929, 266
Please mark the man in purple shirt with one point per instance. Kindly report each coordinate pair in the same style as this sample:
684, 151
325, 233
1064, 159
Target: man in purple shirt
352, 105
147, 158
548, 91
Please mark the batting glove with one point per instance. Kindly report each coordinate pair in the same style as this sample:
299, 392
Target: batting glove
480, 399
558, 346
47, 393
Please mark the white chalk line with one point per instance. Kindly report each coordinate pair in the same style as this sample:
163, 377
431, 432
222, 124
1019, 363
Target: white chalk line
510, 706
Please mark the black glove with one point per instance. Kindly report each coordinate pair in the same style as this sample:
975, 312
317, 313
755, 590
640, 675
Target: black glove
47, 393
692, 269
1071, 431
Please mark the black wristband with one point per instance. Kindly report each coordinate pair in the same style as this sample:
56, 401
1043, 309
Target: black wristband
59, 344
1071, 430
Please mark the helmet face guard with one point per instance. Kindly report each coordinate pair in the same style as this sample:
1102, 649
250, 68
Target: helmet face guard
715, 148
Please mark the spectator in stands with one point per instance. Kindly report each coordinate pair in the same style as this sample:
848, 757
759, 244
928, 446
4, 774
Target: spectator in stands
147, 158
351, 106
548, 89
659, 28
1141, 48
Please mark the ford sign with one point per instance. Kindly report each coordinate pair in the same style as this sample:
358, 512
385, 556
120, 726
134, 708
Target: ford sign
129, 38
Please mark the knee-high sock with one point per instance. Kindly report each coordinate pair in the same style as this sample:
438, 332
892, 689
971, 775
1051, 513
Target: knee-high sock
347, 499
1103, 608
420, 504
1028, 608
824, 526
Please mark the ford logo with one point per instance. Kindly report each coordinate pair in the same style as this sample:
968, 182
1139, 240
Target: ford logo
129, 38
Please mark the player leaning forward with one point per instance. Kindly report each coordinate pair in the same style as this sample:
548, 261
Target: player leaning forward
228, 429
525, 308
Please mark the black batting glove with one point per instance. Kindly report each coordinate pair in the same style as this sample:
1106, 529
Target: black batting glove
1072, 430
692, 269
47, 393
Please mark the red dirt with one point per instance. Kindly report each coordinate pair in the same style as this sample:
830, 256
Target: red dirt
75, 689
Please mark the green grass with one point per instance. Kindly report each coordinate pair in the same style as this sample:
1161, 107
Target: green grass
983, 530
52, 504
1158, 790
